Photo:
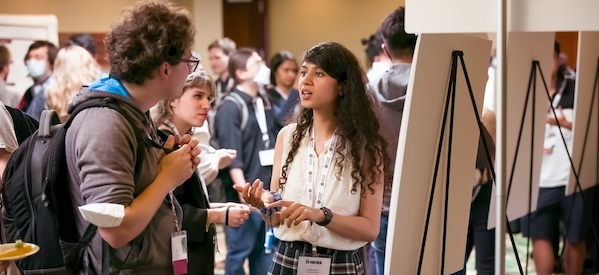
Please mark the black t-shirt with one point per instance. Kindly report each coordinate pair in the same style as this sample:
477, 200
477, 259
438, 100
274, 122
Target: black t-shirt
24, 125
247, 142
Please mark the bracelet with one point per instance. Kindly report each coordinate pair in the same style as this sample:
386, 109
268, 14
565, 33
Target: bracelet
227, 216
269, 211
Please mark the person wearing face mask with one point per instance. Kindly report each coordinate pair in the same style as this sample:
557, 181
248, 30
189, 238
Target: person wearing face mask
254, 144
39, 61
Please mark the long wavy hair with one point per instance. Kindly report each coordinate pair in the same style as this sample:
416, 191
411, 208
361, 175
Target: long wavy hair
357, 124
74, 67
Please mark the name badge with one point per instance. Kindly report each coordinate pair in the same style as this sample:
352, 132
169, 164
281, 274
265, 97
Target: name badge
314, 266
267, 157
179, 252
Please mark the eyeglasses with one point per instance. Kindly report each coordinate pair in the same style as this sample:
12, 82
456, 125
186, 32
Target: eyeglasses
193, 62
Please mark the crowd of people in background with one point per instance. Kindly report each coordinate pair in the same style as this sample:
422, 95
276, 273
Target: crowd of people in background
294, 158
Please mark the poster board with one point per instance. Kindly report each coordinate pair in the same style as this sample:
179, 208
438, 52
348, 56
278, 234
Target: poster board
416, 156
17, 32
466, 16
522, 49
585, 156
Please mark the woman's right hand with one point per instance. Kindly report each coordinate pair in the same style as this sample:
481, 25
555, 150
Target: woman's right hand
225, 156
254, 194
177, 166
238, 214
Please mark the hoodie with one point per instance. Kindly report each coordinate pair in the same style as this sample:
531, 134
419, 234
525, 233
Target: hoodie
389, 93
101, 151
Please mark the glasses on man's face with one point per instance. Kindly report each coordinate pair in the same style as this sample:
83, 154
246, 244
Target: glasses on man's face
192, 63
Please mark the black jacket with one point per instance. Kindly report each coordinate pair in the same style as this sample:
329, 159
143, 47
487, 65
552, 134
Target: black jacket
200, 243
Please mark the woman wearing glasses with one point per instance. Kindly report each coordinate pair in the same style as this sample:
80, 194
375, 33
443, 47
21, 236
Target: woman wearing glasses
178, 117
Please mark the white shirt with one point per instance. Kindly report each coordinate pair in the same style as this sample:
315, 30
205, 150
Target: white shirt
8, 97
337, 196
209, 160
377, 70
8, 139
555, 168
489, 100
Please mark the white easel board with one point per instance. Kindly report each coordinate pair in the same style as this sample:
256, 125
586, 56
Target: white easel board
466, 16
17, 32
585, 157
417, 150
522, 49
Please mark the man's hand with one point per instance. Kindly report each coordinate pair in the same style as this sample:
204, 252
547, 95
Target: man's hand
180, 164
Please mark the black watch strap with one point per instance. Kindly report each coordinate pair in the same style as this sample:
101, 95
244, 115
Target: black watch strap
328, 216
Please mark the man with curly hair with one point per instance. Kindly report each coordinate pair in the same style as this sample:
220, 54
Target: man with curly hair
149, 50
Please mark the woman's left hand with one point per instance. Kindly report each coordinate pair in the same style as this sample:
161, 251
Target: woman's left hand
294, 213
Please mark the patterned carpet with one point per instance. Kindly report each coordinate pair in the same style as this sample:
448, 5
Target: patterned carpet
511, 265
510, 258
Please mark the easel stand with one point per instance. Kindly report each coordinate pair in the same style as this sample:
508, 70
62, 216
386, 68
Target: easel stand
536, 69
450, 102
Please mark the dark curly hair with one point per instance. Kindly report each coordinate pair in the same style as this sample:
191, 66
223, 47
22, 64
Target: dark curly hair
373, 45
357, 125
146, 35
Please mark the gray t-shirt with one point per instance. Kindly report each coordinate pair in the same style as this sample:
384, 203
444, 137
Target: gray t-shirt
101, 153
8, 139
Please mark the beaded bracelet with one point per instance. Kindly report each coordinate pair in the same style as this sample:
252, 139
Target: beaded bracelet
270, 211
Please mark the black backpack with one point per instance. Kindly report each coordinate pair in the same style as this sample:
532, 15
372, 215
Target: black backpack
37, 206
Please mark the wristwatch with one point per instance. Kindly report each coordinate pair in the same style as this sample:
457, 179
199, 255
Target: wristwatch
328, 216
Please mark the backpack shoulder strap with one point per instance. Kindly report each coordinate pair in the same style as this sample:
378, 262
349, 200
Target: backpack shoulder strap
235, 98
108, 102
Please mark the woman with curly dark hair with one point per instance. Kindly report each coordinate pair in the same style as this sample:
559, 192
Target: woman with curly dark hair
328, 173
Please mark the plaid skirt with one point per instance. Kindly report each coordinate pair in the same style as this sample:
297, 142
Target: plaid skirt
285, 261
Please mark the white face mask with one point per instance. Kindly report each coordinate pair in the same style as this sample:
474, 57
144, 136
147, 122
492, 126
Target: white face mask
263, 75
36, 67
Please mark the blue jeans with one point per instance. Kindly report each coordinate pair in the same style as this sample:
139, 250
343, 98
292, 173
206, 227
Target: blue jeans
479, 236
247, 241
379, 246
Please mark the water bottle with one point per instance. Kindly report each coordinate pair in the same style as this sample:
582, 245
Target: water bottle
269, 241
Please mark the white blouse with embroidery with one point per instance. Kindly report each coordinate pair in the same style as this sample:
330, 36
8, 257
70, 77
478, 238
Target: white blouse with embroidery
337, 194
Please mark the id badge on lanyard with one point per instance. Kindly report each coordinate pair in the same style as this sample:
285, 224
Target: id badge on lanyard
315, 264
267, 156
178, 244
550, 136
